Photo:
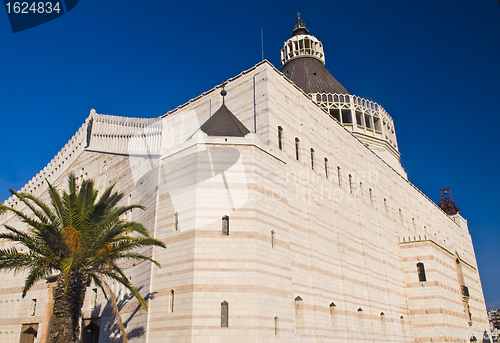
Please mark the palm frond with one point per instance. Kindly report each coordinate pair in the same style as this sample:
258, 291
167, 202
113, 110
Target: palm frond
40, 270
79, 234
24, 197
13, 260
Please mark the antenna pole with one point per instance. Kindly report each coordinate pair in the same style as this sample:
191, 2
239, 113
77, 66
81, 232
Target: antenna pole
262, 41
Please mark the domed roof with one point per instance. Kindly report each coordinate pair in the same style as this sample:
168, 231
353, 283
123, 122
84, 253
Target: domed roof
303, 59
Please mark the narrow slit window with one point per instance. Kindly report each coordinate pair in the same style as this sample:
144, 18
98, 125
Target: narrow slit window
276, 325
312, 158
299, 309
421, 272
225, 226
371, 197
171, 301
176, 221
129, 214
280, 137
326, 168
361, 321
297, 156
401, 216
383, 321
350, 183
360, 188
332, 314
33, 307
272, 238
339, 176
224, 314
386, 209
93, 299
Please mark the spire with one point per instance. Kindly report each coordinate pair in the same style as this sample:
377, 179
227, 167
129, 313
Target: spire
299, 27
303, 62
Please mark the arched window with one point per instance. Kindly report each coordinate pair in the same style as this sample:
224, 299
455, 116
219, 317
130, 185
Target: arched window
299, 312
225, 226
339, 175
280, 137
171, 301
383, 321
129, 214
297, 155
312, 158
332, 314
224, 314
176, 221
272, 238
326, 167
421, 272
350, 183
276, 326
361, 319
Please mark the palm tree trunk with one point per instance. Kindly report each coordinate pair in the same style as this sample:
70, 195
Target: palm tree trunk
67, 309
111, 297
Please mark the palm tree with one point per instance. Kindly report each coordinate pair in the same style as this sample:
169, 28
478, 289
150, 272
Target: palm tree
81, 237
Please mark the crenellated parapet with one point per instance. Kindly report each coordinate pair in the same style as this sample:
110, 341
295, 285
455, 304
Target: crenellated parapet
123, 135
359, 115
102, 133
449, 248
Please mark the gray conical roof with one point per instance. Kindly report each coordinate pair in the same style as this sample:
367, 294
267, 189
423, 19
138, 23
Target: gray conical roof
310, 75
224, 123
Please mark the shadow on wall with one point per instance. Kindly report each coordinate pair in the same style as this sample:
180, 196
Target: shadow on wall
95, 331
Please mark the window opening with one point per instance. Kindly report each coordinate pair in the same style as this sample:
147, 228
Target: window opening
176, 221
171, 301
297, 149
421, 272
224, 314
280, 137
225, 226
33, 307
312, 158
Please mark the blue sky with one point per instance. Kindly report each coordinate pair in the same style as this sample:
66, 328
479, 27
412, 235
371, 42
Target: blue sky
433, 65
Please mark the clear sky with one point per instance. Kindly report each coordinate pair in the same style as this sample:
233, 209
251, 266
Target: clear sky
434, 65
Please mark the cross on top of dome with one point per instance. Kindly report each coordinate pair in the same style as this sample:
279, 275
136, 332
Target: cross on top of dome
299, 27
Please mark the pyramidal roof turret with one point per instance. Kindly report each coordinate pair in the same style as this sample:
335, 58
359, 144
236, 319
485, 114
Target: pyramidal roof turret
224, 122
303, 62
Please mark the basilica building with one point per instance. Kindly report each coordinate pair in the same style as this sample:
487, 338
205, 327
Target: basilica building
286, 214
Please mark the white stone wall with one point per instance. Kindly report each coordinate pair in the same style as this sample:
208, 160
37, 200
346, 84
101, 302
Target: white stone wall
353, 244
